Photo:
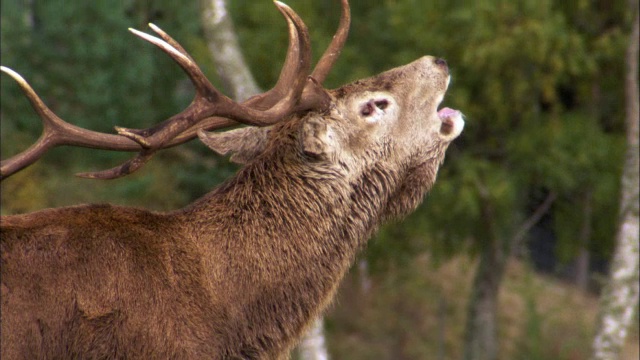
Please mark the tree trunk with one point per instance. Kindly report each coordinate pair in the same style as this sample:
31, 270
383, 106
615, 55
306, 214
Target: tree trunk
239, 82
442, 327
364, 277
481, 328
583, 258
225, 50
313, 346
481, 332
619, 297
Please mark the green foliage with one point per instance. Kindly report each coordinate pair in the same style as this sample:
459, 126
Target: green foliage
531, 82
92, 72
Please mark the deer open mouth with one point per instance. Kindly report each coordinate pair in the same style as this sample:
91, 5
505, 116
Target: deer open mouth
452, 122
446, 113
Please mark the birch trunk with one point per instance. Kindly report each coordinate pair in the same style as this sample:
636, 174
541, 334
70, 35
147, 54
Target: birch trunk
313, 345
240, 84
225, 50
619, 298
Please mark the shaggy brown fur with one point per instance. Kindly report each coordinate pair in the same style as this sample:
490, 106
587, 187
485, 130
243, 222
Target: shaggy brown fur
240, 273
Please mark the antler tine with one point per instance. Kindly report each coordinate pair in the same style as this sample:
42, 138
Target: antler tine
210, 109
45, 142
262, 101
121, 170
267, 99
313, 94
169, 40
330, 55
204, 88
56, 132
210, 102
282, 86
292, 79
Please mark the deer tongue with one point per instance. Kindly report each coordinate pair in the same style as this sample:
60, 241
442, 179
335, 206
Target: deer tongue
446, 113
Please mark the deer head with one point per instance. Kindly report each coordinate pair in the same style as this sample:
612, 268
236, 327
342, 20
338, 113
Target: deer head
240, 272
385, 125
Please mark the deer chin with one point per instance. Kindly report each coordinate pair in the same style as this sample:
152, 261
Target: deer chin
452, 122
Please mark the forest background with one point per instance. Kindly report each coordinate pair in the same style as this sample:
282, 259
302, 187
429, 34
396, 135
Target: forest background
527, 199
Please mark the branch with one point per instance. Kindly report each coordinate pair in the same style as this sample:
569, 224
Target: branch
519, 236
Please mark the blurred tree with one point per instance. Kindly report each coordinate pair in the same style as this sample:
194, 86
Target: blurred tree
225, 50
619, 299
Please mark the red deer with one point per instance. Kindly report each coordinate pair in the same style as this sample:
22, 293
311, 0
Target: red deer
241, 272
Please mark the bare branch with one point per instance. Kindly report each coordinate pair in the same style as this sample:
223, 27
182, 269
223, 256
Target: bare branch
523, 230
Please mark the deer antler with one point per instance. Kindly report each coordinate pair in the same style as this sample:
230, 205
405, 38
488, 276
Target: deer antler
209, 110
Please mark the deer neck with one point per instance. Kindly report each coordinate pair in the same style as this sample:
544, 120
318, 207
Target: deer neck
288, 216
280, 237
319, 207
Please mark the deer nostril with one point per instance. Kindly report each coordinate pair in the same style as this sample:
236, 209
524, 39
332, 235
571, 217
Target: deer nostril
442, 62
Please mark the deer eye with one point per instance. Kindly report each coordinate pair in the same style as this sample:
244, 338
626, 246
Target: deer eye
371, 106
382, 104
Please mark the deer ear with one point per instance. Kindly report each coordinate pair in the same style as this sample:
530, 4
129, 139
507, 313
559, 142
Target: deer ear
317, 139
244, 144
